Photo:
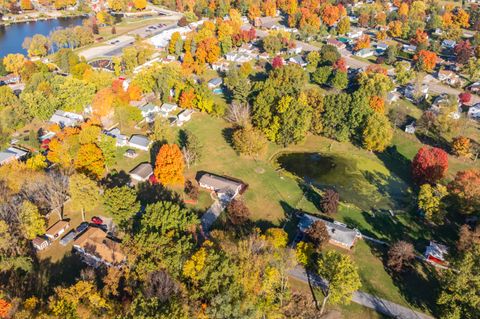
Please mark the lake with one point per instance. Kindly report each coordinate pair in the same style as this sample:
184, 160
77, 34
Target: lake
12, 36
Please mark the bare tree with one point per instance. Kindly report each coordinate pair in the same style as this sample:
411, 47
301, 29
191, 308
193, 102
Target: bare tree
468, 237
400, 255
238, 114
57, 190
318, 233
329, 202
191, 190
160, 285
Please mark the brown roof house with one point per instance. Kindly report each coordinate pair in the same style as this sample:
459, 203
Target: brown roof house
98, 249
40, 243
54, 232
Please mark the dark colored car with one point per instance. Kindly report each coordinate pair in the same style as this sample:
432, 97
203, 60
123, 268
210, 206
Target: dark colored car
97, 220
82, 227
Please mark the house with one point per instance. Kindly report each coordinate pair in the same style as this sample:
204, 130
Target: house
66, 119
149, 111
57, 229
221, 66
10, 79
448, 77
130, 153
144, 100
448, 44
214, 83
298, 60
121, 140
184, 116
246, 48
436, 253
40, 243
11, 154
238, 57
295, 50
97, 248
445, 100
338, 44
141, 173
474, 88
381, 48
224, 187
392, 97
140, 142
411, 91
410, 128
340, 234
364, 53
167, 108
474, 111
265, 22
409, 48
355, 34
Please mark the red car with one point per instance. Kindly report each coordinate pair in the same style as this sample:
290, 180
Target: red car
97, 220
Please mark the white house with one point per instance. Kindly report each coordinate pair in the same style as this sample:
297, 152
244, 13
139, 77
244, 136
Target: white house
364, 53
65, 119
40, 243
149, 111
167, 108
409, 48
184, 116
448, 77
410, 128
298, 60
11, 154
474, 112
355, 34
121, 140
140, 142
141, 173
436, 253
449, 44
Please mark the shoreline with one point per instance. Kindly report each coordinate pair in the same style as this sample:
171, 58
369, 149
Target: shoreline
42, 18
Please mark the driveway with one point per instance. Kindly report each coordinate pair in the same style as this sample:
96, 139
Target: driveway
365, 299
211, 215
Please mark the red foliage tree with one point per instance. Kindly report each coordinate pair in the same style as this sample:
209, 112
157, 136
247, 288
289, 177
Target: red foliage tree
429, 165
463, 51
465, 97
466, 189
277, 62
340, 65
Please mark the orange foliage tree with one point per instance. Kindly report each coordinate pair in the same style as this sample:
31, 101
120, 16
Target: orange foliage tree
330, 14
426, 60
363, 42
421, 37
5, 307
169, 165
254, 12
186, 98
102, 103
208, 51
270, 8
395, 28
377, 104
447, 20
134, 92
403, 9
461, 146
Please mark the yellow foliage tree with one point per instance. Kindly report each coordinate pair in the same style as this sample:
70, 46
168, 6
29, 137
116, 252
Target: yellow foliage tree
90, 160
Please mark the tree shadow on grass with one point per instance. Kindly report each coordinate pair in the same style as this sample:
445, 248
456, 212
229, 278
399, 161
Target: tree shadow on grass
437, 141
154, 149
396, 163
311, 194
227, 134
116, 179
148, 193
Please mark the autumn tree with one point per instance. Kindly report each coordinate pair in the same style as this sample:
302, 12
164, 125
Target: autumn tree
377, 104
330, 14
329, 202
400, 255
5, 308
317, 233
461, 146
121, 203
191, 190
425, 60
237, 212
343, 26
102, 104
460, 284
342, 277
363, 42
378, 133
430, 201
26, 5
463, 50
32, 223
429, 165
468, 237
140, 4
303, 252
249, 140
169, 165
465, 189
14, 63
84, 193
90, 160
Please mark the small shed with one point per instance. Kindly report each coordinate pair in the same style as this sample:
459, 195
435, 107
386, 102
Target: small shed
436, 253
184, 116
40, 243
57, 229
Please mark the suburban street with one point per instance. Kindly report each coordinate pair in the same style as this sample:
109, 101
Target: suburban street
365, 299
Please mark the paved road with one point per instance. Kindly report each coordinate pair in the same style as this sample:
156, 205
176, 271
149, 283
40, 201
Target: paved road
367, 300
211, 215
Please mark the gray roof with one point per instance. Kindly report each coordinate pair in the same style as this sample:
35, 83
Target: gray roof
220, 184
144, 170
168, 107
140, 140
12, 152
338, 232
215, 81
148, 107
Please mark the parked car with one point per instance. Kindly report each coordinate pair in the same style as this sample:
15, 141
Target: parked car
68, 238
82, 227
97, 220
